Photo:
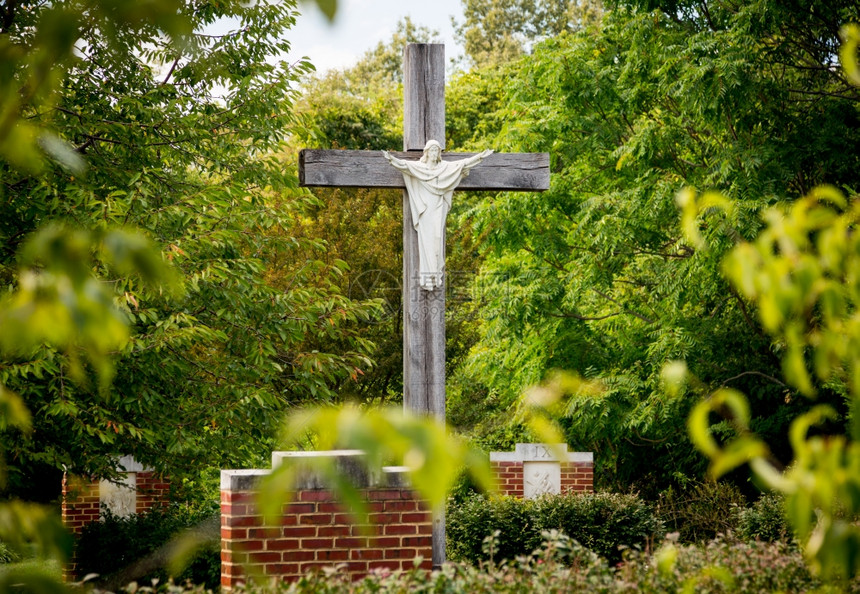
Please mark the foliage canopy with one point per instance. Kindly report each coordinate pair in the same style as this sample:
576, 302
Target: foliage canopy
597, 274
163, 133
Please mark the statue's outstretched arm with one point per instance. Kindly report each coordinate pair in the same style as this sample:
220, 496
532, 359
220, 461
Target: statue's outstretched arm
475, 159
395, 162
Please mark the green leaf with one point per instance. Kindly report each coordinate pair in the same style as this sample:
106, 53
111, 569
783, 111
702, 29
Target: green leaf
740, 450
63, 153
13, 411
850, 35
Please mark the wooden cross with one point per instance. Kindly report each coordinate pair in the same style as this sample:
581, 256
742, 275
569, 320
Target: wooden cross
424, 311
423, 120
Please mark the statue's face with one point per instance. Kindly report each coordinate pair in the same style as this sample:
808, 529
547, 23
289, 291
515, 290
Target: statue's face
433, 154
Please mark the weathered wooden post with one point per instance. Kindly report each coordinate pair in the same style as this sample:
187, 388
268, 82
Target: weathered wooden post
423, 311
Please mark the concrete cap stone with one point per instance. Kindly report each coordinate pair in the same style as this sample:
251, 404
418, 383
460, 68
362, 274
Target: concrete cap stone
348, 463
540, 452
280, 456
243, 479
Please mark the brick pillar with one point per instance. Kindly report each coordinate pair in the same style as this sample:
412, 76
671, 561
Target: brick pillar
80, 502
533, 470
85, 498
315, 531
80, 506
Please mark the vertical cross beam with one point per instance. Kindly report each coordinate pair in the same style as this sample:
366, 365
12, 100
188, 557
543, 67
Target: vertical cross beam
423, 311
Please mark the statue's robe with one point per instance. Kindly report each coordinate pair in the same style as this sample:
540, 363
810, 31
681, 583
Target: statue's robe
430, 190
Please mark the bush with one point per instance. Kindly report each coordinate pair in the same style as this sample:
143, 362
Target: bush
114, 543
700, 511
562, 566
765, 520
722, 565
469, 523
7, 555
603, 522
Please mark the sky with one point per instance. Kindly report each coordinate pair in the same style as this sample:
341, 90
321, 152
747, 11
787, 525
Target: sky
360, 25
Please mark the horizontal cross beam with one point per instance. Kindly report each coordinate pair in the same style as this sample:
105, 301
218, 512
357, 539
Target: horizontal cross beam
369, 169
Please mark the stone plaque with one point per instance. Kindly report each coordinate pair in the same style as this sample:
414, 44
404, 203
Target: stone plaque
540, 478
119, 498
536, 451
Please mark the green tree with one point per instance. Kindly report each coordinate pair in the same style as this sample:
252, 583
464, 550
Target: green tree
800, 272
110, 117
174, 136
496, 31
595, 275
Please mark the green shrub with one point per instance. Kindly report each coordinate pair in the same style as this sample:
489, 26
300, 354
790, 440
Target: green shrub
722, 565
6, 554
764, 520
469, 523
700, 511
562, 566
603, 522
114, 543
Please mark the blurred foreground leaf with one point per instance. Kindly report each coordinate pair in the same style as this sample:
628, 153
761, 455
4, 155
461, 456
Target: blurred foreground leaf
801, 274
433, 457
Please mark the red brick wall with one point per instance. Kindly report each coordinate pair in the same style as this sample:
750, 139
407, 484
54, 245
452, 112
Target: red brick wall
152, 491
80, 506
576, 477
80, 502
509, 478
315, 532
81, 498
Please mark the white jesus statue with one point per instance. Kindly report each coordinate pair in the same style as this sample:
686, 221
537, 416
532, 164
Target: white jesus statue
430, 183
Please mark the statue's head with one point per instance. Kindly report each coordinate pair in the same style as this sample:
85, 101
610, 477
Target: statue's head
432, 152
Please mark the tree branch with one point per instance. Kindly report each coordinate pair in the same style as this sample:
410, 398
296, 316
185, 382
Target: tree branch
638, 436
707, 14
583, 318
626, 310
764, 375
172, 69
